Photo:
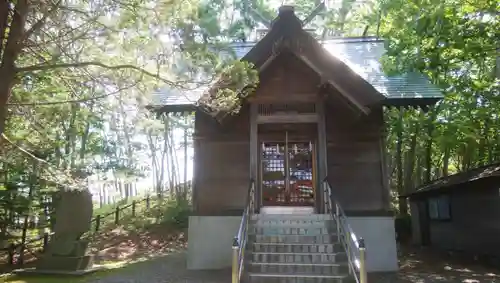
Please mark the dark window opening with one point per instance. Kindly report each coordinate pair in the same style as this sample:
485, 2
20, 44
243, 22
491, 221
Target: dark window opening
439, 208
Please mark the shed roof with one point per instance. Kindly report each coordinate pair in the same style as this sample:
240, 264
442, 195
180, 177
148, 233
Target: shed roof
361, 56
487, 171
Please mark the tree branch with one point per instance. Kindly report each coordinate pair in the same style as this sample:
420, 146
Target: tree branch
45, 67
36, 26
75, 100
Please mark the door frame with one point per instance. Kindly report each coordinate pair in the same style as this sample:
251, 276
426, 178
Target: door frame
314, 161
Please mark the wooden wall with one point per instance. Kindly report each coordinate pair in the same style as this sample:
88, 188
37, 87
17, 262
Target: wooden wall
355, 157
222, 152
221, 164
287, 79
473, 227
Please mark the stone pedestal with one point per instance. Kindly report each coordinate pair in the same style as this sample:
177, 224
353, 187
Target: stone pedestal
67, 253
65, 263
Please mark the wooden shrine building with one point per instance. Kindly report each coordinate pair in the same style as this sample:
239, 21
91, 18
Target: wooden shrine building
316, 114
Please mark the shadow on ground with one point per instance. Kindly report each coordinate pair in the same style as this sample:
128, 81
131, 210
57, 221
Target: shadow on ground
155, 257
166, 268
424, 265
121, 244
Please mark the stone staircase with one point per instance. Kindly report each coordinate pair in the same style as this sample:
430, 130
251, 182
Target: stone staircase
294, 248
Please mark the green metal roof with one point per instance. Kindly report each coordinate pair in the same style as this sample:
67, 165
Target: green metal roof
362, 55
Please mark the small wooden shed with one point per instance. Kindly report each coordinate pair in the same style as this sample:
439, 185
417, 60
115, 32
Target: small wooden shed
316, 114
459, 212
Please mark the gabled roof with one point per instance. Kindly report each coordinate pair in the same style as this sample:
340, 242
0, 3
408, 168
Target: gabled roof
349, 64
454, 181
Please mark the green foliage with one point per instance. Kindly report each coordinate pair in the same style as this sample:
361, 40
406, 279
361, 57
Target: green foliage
238, 81
455, 44
172, 212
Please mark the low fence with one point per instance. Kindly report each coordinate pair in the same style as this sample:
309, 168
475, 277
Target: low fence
41, 242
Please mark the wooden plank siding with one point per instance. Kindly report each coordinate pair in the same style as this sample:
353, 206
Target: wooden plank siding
222, 151
221, 164
355, 159
287, 79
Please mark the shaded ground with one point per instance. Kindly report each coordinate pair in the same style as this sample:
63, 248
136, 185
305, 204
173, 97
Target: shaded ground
158, 255
423, 265
128, 245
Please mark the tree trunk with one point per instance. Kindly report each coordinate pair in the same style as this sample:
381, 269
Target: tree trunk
13, 47
428, 146
410, 161
185, 156
403, 206
446, 159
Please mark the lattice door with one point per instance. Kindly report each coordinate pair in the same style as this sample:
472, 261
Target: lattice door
287, 170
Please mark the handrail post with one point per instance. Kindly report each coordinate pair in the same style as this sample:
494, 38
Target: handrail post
326, 200
363, 275
337, 220
235, 270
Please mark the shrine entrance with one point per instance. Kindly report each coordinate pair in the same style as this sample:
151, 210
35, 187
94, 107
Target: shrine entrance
287, 172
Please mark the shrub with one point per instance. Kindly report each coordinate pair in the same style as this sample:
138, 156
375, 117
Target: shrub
172, 212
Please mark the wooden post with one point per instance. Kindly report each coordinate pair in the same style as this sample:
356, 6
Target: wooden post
97, 222
12, 251
133, 208
20, 259
148, 205
254, 153
117, 215
45, 241
321, 150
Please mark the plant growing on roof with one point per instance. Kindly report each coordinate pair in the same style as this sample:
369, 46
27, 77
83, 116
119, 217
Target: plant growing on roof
237, 81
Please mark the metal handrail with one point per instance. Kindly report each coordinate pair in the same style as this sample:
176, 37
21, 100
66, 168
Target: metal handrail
352, 244
240, 240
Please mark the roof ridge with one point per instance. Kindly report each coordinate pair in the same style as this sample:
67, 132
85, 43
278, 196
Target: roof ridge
426, 186
366, 39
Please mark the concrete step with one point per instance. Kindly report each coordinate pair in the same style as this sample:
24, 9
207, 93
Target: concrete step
299, 268
294, 239
296, 247
294, 278
293, 223
320, 227
290, 230
291, 217
304, 210
310, 258
289, 220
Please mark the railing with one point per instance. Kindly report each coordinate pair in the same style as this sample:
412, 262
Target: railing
42, 241
352, 244
240, 240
